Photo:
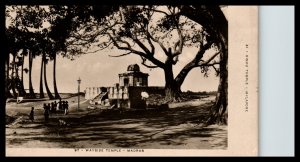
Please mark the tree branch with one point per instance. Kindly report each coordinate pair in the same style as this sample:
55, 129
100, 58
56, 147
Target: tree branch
93, 51
140, 44
120, 55
155, 10
217, 71
193, 63
208, 64
151, 45
88, 38
106, 46
142, 54
148, 66
120, 47
210, 59
124, 42
178, 44
201, 51
148, 36
159, 43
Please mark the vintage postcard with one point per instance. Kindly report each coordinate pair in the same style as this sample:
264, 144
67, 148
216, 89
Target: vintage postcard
136, 80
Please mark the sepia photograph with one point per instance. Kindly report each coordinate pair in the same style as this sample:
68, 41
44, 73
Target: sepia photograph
131, 80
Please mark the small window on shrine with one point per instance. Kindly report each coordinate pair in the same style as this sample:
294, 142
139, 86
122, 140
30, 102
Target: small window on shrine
126, 81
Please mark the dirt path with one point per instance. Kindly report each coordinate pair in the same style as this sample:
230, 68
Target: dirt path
87, 128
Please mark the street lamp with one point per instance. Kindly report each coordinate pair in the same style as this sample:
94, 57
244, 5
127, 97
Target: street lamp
79, 80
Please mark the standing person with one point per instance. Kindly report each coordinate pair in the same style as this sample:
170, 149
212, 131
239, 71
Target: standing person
66, 108
46, 113
44, 106
31, 115
54, 106
63, 105
60, 104
48, 108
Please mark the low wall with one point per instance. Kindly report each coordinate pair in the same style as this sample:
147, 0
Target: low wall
126, 97
130, 97
149, 90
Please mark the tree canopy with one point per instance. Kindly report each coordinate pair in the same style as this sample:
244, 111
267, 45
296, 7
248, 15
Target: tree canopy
157, 34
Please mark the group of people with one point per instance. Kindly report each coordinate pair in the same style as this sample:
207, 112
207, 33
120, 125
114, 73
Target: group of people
52, 108
56, 106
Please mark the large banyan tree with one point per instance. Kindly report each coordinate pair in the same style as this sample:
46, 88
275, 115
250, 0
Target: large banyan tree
159, 34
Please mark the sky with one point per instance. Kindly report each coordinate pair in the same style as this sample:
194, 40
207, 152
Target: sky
99, 69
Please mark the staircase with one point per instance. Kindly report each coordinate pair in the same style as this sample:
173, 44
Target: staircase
100, 97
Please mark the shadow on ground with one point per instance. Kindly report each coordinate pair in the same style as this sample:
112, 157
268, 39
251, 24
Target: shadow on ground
173, 128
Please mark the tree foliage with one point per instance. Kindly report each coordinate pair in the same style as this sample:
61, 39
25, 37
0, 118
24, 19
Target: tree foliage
158, 34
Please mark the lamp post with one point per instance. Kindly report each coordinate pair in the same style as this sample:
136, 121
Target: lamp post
79, 80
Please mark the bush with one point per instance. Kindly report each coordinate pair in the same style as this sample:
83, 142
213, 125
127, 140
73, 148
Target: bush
9, 119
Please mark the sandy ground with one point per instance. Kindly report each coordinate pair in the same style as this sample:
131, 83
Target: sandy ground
177, 128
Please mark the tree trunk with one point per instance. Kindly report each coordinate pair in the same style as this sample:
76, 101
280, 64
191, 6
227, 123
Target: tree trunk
31, 91
183, 73
17, 80
45, 80
22, 76
192, 64
213, 19
13, 78
219, 112
41, 79
172, 90
54, 78
7, 80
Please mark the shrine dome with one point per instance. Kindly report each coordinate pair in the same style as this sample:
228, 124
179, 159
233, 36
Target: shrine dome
133, 67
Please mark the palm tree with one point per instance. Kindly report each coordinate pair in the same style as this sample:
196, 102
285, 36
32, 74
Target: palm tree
21, 63
57, 96
41, 79
13, 76
31, 91
7, 79
13, 47
45, 77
